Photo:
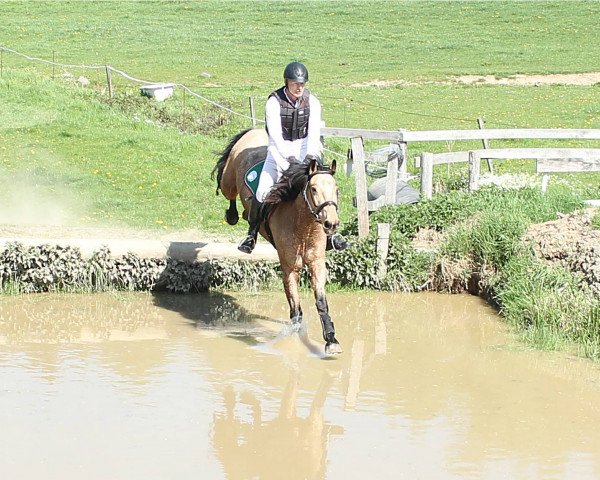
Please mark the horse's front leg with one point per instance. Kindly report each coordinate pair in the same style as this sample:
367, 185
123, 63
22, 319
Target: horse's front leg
318, 277
290, 284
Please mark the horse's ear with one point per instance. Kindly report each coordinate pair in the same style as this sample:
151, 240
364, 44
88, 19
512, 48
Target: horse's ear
333, 166
313, 166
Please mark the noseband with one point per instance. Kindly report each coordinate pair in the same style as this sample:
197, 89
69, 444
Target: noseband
316, 210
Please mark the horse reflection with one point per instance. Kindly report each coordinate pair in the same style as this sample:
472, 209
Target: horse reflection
249, 446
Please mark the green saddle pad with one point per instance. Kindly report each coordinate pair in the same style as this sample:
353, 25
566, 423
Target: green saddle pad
253, 175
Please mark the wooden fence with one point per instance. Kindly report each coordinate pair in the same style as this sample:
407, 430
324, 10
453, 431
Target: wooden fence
576, 159
548, 160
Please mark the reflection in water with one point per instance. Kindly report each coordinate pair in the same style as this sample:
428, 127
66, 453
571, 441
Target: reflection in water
256, 447
211, 386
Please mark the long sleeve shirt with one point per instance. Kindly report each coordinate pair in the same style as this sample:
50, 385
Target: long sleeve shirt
283, 149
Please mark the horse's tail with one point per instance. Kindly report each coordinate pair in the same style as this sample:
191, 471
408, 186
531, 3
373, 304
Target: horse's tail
223, 156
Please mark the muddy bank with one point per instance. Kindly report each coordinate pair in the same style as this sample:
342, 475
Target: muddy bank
571, 242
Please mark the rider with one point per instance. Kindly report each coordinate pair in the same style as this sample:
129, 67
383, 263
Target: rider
293, 122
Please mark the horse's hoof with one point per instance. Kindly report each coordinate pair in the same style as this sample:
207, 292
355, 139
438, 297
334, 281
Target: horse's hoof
247, 244
296, 327
333, 348
245, 249
231, 218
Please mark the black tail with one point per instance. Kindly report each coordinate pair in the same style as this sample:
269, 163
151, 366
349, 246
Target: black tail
224, 155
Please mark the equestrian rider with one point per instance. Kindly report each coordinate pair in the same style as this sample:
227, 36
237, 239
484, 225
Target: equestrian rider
293, 122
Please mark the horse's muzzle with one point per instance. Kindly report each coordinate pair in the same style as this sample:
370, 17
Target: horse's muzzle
330, 227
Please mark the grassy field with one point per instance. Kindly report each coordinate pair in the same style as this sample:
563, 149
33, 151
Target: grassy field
66, 154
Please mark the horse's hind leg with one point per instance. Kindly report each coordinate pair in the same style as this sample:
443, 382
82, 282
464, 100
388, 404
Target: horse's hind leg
231, 214
318, 276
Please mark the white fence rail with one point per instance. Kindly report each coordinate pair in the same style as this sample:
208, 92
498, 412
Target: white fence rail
548, 160
406, 136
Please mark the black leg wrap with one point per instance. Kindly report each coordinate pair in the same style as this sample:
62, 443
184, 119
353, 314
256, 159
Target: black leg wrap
328, 328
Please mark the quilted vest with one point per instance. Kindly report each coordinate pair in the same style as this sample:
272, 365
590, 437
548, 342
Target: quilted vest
294, 119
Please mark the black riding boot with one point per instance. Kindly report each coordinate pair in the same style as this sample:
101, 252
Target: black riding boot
254, 219
336, 242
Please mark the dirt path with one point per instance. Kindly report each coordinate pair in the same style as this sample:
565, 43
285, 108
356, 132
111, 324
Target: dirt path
582, 79
189, 245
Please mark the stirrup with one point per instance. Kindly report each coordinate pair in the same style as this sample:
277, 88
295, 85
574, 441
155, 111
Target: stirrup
247, 244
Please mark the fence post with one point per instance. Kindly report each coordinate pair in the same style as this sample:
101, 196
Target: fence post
349, 162
252, 111
358, 156
545, 180
426, 175
383, 245
109, 81
474, 168
403, 169
486, 144
391, 181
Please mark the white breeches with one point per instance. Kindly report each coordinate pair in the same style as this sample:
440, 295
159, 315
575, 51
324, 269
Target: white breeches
274, 167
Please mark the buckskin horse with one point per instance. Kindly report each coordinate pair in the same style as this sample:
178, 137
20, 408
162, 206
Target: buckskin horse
303, 211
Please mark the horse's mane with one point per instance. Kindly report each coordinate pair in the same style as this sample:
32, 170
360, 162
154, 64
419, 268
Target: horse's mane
223, 156
292, 182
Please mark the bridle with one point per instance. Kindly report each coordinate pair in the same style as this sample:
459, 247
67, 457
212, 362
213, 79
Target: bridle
317, 209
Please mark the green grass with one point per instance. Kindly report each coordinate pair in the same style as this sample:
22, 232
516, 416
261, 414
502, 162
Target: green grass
344, 42
115, 169
229, 50
548, 305
68, 152
596, 221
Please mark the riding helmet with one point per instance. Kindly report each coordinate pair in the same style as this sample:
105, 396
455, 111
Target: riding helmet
296, 72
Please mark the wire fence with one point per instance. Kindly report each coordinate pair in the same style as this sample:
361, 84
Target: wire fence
130, 78
109, 69
218, 105
140, 81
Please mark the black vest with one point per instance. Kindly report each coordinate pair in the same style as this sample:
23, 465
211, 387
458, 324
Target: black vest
294, 120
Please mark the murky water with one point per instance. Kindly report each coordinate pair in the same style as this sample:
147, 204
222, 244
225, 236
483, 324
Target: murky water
135, 386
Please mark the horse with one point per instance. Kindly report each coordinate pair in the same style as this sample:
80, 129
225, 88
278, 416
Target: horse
303, 210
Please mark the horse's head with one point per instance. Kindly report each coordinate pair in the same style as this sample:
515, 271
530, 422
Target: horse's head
321, 195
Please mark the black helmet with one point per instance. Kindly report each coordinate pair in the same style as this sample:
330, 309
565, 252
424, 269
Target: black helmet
296, 72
